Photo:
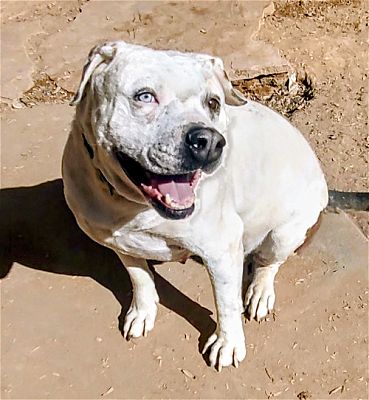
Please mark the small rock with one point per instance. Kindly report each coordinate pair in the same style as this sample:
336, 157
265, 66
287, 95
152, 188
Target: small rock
17, 105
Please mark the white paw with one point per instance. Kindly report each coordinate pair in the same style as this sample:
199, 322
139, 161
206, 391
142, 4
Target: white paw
260, 297
139, 320
225, 351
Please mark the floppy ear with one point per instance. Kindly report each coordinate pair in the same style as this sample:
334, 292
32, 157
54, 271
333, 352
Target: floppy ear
98, 55
233, 97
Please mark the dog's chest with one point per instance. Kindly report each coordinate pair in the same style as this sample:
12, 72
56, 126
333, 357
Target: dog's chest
144, 237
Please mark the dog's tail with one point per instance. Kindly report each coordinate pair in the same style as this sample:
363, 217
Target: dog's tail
349, 200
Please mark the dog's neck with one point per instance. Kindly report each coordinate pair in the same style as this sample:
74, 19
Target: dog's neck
102, 177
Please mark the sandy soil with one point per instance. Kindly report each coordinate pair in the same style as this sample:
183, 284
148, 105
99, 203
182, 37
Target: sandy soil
64, 297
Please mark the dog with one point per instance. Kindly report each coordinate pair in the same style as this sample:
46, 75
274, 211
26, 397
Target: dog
166, 159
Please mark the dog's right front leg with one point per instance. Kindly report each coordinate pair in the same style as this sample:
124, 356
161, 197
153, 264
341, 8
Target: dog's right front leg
141, 315
227, 343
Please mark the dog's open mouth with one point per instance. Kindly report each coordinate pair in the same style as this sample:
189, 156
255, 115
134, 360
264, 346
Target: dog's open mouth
173, 196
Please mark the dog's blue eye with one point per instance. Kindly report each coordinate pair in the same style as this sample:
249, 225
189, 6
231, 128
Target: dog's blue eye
145, 97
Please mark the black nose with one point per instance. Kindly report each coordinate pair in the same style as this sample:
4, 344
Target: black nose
205, 145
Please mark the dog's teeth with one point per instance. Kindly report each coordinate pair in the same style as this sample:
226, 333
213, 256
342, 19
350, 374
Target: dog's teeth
167, 199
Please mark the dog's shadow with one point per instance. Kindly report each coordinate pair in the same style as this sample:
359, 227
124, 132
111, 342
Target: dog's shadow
38, 230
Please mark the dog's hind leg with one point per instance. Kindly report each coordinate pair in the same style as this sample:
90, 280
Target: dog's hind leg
141, 315
260, 296
277, 246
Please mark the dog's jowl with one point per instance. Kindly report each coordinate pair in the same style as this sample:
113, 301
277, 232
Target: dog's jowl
166, 160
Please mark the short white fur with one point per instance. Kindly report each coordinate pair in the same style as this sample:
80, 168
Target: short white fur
267, 192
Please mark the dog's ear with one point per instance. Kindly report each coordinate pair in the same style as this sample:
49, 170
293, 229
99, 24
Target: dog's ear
98, 55
233, 97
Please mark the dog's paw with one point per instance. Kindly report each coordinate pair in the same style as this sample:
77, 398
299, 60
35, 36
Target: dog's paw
225, 351
260, 296
139, 320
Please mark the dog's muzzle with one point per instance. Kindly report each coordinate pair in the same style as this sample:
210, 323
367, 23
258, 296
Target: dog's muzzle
173, 195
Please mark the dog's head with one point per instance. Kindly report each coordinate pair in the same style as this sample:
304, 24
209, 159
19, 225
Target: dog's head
156, 116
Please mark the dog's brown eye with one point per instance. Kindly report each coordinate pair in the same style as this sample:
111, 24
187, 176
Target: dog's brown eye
214, 105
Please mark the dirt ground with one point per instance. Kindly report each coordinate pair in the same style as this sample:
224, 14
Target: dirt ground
64, 297
334, 54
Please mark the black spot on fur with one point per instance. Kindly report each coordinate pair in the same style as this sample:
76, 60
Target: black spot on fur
88, 147
104, 180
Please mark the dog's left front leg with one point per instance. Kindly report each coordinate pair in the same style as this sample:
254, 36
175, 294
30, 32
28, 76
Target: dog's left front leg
227, 343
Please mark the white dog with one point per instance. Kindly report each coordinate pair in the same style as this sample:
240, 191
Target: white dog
165, 160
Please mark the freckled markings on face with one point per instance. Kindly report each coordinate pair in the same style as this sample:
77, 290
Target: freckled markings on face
183, 87
183, 77
171, 76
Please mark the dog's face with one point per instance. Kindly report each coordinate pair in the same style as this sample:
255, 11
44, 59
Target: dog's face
159, 116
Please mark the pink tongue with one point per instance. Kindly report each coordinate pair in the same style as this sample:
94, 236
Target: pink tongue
179, 190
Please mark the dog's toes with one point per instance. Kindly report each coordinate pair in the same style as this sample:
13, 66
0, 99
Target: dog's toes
265, 305
225, 351
139, 321
259, 301
209, 342
137, 328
